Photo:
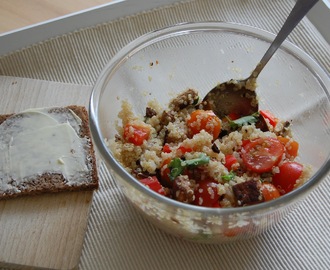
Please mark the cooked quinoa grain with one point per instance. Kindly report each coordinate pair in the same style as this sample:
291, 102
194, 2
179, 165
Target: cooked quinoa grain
192, 156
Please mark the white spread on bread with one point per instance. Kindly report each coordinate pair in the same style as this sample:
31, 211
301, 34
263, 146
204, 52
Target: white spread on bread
39, 141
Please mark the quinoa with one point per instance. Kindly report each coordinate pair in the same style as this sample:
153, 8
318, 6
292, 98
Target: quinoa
200, 159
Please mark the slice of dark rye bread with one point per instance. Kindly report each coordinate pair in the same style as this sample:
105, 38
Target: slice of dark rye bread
55, 182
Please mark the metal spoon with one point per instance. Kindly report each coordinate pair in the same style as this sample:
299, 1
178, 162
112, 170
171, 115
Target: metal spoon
239, 96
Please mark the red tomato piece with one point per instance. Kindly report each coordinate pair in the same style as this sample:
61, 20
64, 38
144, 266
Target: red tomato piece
216, 205
262, 154
288, 176
167, 148
165, 172
269, 191
245, 142
231, 162
182, 150
204, 120
291, 146
232, 232
267, 115
136, 134
233, 116
206, 194
153, 183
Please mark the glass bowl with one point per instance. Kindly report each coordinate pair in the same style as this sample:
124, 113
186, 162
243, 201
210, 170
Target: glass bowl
163, 63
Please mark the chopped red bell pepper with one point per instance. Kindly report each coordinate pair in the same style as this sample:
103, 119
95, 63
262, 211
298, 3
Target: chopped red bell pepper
267, 115
231, 162
153, 183
136, 134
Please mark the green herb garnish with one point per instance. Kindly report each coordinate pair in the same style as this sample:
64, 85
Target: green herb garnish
177, 165
245, 120
201, 160
229, 176
176, 168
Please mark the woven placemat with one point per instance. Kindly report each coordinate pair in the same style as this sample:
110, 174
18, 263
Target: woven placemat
117, 236
78, 57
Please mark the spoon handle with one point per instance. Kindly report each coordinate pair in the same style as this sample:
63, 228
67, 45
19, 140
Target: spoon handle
299, 11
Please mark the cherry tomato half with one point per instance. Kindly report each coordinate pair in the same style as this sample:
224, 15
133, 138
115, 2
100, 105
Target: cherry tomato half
288, 176
206, 194
260, 155
204, 120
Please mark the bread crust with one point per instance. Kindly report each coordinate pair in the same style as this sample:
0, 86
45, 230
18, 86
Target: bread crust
55, 182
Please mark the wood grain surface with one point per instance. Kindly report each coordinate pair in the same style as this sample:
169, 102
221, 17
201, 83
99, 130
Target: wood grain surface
45, 231
15, 14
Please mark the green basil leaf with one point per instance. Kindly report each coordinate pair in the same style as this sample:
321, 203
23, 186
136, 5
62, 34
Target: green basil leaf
245, 120
178, 165
201, 160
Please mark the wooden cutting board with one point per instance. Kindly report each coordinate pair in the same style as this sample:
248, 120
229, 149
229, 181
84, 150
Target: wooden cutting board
45, 231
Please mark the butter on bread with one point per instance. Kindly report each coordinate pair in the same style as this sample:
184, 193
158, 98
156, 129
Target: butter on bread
46, 150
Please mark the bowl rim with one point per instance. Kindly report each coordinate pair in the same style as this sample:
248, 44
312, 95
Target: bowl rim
183, 29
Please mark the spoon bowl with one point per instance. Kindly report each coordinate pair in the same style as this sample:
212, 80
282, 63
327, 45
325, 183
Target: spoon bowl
239, 96
232, 96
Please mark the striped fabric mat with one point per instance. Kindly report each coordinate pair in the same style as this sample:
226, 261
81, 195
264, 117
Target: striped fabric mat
117, 236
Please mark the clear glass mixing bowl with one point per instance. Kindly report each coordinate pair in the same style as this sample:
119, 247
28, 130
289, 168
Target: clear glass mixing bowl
163, 63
